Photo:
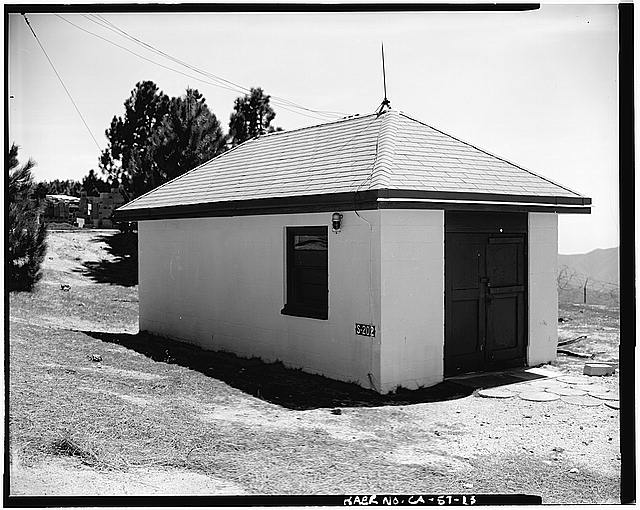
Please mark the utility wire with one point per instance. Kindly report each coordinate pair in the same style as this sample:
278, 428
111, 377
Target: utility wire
110, 26
62, 83
173, 69
206, 73
138, 54
276, 100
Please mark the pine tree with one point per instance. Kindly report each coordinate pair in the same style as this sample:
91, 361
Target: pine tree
129, 155
252, 116
159, 138
58, 187
188, 136
94, 185
27, 239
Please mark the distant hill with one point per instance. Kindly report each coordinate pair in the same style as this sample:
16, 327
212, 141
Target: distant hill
601, 264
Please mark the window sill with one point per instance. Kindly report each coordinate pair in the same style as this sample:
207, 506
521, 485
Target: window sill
310, 313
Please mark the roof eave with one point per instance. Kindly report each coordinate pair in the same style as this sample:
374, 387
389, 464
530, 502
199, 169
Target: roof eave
485, 197
363, 200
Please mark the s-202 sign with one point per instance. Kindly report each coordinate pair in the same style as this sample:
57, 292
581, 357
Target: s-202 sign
365, 330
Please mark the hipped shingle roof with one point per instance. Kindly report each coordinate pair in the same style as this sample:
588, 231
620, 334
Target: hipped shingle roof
390, 151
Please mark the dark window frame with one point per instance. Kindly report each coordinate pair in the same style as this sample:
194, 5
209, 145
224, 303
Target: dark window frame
294, 305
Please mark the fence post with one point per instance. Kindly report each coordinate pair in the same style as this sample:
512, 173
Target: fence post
584, 291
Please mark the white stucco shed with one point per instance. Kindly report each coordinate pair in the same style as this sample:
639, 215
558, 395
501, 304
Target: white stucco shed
375, 250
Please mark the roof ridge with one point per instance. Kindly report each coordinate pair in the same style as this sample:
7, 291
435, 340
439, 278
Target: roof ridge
345, 119
385, 151
492, 155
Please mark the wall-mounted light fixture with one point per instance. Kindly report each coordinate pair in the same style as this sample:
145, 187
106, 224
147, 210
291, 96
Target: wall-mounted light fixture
336, 221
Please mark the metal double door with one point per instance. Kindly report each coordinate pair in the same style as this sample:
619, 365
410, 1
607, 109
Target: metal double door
485, 301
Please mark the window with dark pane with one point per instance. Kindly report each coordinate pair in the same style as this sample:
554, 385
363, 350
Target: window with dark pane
307, 272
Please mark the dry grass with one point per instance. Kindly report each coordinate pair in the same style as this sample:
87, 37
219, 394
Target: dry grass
148, 405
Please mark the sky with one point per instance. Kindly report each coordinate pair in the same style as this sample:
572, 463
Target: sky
538, 88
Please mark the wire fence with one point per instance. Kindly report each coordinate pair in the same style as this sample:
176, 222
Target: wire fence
571, 280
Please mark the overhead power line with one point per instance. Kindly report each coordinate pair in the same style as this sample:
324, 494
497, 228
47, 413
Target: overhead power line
137, 54
219, 82
111, 26
109, 41
62, 83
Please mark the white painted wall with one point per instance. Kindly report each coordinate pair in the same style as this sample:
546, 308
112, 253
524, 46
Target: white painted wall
543, 290
220, 283
412, 300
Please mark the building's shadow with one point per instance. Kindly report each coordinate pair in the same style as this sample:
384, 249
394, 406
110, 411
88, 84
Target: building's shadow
123, 269
274, 382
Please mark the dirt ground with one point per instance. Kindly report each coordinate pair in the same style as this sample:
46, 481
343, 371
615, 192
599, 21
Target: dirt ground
97, 409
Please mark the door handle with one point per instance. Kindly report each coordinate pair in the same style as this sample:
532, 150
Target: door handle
487, 288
